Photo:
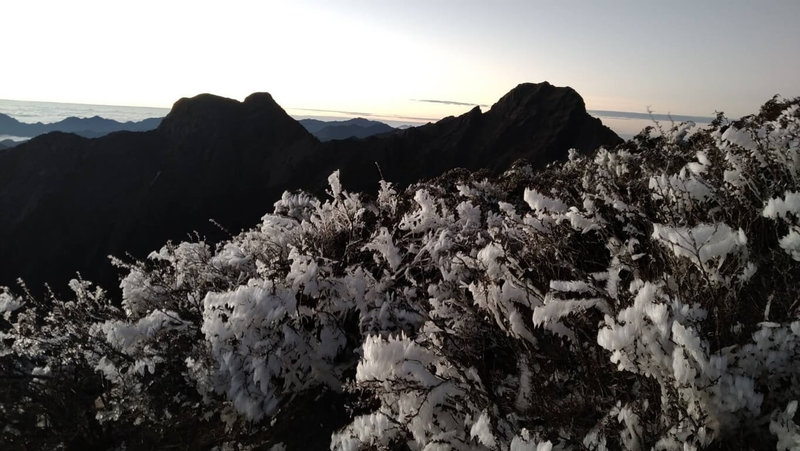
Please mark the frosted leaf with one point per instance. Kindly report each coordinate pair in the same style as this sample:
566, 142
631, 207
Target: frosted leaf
631, 434
138, 292
541, 203
525, 387
491, 257
299, 206
482, 430
395, 358
679, 187
780, 208
303, 272
550, 314
387, 197
575, 286
469, 214
791, 244
383, 244
271, 357
8, 303
336, 186
681, 131
425, 217
374, 429
788, 210
107, 368
525, 442
146, 365
702, 243
41, 371
783, 426
467, 191
231, 257
739, 137
124, 336
501, 302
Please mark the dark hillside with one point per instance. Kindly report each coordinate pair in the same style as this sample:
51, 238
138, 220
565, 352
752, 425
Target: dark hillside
71, 201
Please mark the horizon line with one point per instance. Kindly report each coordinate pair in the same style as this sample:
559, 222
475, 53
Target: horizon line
650, 115
606, 113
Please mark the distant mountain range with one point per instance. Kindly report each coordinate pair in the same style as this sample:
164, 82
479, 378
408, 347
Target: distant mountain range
352, 128
90, 127
94, 127
68, 202
7, 143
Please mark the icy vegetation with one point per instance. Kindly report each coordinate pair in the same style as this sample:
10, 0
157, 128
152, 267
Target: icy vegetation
642, 297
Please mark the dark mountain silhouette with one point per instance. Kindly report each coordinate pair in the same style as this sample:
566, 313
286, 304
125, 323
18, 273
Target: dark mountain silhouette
90, 127
537, 122
352, 128
68, 202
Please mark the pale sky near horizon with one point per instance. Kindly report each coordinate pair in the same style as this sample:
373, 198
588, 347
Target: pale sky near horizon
382, 57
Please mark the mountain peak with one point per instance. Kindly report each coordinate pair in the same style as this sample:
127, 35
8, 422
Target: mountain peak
530, 98
200, 101
207, 115
192, 114
261, 100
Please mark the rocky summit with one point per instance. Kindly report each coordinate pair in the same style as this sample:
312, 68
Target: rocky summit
69, 202
537, 122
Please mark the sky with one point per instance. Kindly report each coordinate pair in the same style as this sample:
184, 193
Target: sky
386, 58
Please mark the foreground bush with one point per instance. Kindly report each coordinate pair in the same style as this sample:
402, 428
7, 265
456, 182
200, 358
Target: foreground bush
640, 297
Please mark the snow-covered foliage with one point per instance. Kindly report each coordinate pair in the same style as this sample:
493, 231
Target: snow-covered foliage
642, 297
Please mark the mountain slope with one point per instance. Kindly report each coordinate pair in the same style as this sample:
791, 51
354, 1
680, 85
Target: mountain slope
72, 201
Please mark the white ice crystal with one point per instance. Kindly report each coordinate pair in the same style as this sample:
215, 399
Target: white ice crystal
704, 244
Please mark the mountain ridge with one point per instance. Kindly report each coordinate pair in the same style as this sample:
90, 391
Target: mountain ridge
352, 128
90, 127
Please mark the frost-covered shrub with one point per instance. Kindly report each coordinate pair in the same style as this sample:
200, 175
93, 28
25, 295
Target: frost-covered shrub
642, 297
